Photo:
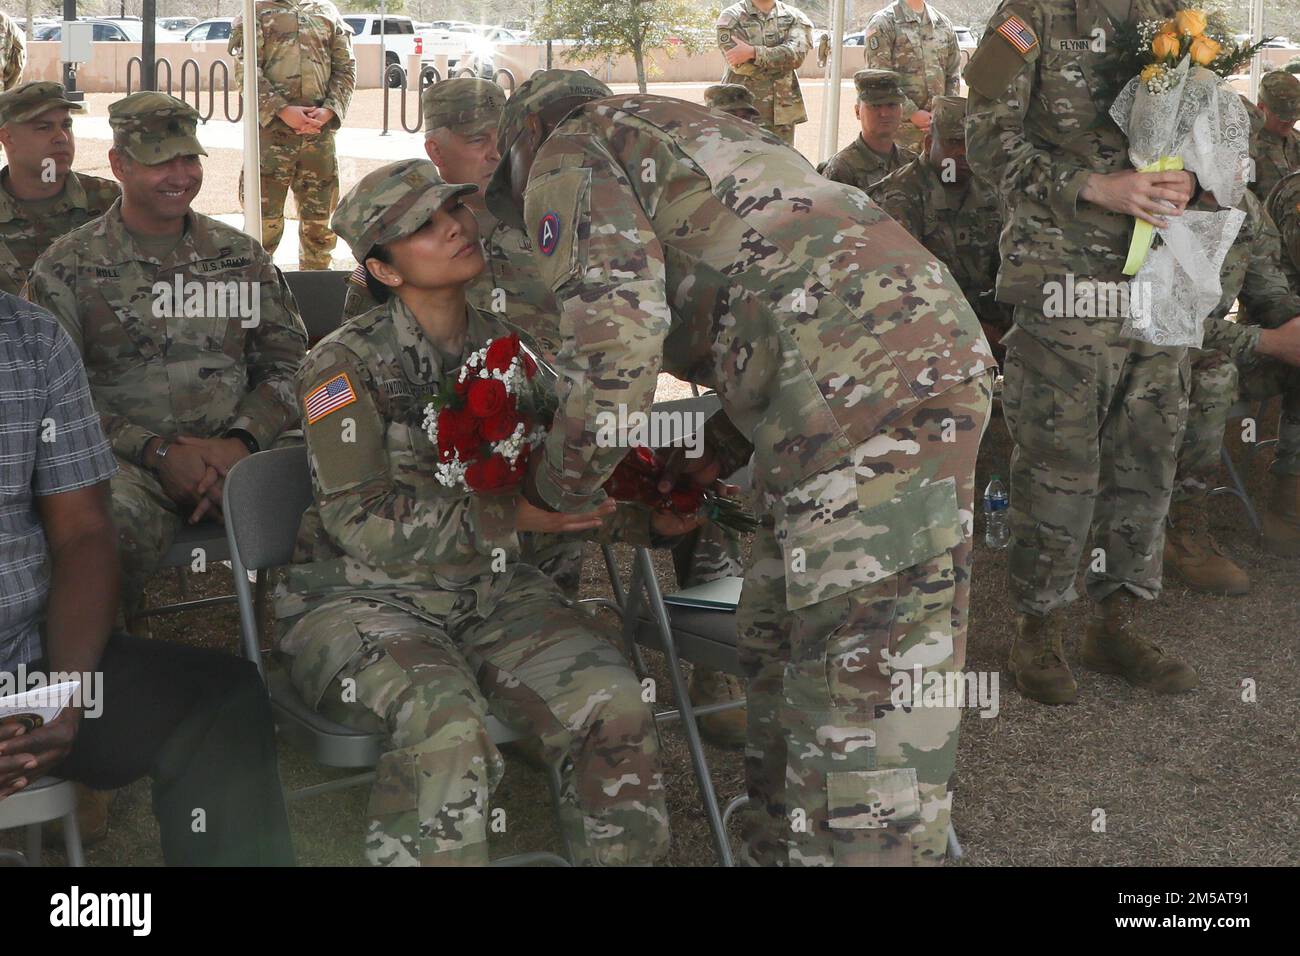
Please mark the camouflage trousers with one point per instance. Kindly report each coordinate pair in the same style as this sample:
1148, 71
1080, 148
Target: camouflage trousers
308, 166
1212, 394
1097, 421
860, 576
147, 522
1265, 379
538, 665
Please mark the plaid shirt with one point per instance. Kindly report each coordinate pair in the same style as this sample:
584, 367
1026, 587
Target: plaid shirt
50, 442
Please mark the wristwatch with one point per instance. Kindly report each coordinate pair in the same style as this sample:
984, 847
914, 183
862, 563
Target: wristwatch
159, 452
247, 439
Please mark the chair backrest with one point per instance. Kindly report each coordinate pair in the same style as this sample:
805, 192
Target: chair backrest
320, 294
264, 498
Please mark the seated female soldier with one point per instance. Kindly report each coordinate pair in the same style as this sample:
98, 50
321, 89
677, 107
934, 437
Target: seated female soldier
407, 608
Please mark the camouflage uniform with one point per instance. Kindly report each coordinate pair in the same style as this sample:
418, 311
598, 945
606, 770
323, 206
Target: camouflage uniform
839, 350
13, 52
413, 594
25, 233
781, 39
959, 224
858, 164
921, 46
304, 58
1277, 156
158, 375
1096, 418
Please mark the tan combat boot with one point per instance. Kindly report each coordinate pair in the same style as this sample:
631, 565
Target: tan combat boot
1111, 647
1190, 549
726, 728
1281, 518
1037, 662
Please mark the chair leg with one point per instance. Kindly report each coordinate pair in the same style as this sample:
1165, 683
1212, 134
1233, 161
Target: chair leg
555, 784
693, 742
1239, 489
32, 847
259, 595
183, 582
72, 840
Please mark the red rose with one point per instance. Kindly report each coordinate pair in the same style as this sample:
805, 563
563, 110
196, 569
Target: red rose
457, 432
530, 367
501, 426
462, 387
489, 474
487, 398
500, 353
686, 502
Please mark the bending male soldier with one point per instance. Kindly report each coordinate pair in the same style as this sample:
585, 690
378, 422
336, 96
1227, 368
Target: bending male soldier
765, 42
189, 334
950, 212
41, 198
733, 269
873, 155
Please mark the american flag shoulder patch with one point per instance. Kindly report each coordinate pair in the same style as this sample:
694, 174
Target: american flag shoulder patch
1018, 33
358, 276
330, 397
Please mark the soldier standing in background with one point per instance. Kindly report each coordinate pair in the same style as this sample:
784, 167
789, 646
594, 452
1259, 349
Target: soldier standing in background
873, 155
305, 76
950, 212
187, 379
1096, 417
765, 42
920, 44
1278, 153
846, 360
41, 198
13, 52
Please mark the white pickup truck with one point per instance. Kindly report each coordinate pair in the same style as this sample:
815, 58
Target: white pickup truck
399, 37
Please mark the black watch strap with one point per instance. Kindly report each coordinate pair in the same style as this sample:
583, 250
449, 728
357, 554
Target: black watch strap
249, 441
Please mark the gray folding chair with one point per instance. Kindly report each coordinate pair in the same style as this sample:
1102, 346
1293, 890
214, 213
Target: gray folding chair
1237, 486
320, 294
265, 496
48, 798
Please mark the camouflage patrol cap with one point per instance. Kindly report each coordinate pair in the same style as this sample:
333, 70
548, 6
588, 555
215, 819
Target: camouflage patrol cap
152, 127
1280, 92
878, 87
466, 105
731, 98
30, 100
392, 202
948, 116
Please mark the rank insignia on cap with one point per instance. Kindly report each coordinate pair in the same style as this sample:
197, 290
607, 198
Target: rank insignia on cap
548, 233
1017, 32
328, 398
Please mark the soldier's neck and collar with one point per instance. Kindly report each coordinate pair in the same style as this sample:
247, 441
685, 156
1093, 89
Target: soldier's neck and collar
10, 198
891, 150
914, 13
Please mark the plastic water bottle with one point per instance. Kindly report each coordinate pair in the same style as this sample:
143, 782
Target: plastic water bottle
997, 529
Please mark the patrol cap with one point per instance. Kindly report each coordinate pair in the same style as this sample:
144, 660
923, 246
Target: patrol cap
467, 105
1280, 92
878, 87
532, 96
731, 98
152, 127
29, 100
948, 116
392, 202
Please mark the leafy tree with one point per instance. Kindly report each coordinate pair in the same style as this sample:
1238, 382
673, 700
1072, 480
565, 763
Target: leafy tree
636, 28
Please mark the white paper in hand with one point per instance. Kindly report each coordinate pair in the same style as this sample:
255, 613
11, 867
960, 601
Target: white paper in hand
39, 706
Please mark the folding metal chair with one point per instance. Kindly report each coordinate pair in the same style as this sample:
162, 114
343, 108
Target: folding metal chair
48, 798
1237, 486
210, 539
320, 294
265, 496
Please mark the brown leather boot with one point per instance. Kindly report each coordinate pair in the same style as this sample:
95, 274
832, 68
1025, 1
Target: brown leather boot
1111, 647
1037, 661
1190, 550
1281, 519
726, 728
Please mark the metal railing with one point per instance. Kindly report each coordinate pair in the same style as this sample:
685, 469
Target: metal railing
395, 79
190, 67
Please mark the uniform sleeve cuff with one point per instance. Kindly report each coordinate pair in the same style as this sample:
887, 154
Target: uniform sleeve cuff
1065, 198
560, 498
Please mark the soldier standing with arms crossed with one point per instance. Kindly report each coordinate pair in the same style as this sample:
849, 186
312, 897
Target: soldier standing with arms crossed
765, 42
305, 76
916, 40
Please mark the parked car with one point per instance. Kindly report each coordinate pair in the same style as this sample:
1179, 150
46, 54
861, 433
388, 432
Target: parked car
122, 31
178, 24
856, 39
399, 37
218, 28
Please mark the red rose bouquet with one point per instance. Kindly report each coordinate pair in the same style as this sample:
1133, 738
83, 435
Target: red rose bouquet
636, 479
481, 423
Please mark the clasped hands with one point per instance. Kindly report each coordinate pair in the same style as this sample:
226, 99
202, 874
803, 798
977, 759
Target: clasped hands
306, 120
194, 470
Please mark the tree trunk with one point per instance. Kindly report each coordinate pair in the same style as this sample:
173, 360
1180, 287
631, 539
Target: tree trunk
638, 54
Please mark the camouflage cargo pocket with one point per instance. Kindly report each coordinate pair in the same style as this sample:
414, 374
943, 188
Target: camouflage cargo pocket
1048, 401
872, 799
